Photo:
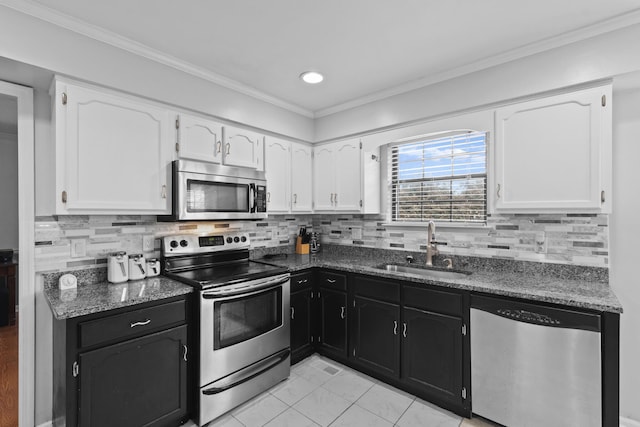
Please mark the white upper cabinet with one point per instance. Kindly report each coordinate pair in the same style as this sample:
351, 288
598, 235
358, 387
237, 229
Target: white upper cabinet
554, 154
278, 171
243, 148
112, 152
337, 177
301, 178
199, 139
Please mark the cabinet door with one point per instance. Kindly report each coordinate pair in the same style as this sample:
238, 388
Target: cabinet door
323, 179
243, 148
333, 321
432, 353
301, 178
277, 168
138, 382
554, 153
376, 335
348, 176
300, 322
199, 139
116, 153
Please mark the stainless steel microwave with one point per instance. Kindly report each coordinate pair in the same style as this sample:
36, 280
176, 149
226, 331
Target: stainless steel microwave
208, 191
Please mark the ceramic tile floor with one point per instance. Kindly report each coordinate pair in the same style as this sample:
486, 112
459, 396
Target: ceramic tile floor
321, 392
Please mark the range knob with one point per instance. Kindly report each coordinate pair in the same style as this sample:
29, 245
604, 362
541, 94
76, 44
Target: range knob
236, 239
229, 240
174, 244
183, 243
243, 239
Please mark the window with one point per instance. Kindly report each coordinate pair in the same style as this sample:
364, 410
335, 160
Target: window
442, 179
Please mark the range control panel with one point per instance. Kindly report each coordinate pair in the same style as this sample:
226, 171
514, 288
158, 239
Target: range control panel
184, 244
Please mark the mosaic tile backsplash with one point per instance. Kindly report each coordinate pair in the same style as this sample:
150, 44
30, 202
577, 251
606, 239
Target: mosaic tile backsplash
566, 239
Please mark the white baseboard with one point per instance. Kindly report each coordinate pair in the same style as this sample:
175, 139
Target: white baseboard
628, 422
46, 424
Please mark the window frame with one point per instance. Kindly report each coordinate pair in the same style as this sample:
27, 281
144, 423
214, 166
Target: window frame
392, 179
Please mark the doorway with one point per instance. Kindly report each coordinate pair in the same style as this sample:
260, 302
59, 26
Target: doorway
17, 302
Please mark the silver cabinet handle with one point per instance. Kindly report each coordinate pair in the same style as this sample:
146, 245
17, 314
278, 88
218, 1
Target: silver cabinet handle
498, 191
342, 312
295, 198
163, 192
228, 146
331, 194
335, 199
218, 146
395, 327
404, 330
186, 350
146, 322
293, 313
331, 281
302, 281
268, 197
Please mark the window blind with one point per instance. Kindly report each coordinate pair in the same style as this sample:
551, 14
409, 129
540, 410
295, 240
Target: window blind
442, 179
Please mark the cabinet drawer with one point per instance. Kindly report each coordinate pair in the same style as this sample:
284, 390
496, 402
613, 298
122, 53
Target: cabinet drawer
301, 280
433, 300
385, 290
332, 280
132, 323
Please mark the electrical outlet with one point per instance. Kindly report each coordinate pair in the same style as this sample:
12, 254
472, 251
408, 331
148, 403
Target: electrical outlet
541, 242
78, 248
148, 243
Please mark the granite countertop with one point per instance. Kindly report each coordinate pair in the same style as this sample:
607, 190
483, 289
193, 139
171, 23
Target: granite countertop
103, 296
575, 292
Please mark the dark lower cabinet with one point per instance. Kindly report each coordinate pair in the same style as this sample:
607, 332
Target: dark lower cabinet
301, 326
376, 335
135, 383
124, 367
332, 338
432, 353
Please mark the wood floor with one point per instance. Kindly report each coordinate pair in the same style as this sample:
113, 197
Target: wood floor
9, 376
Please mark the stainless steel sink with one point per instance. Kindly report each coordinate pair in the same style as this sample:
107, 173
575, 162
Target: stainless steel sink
426, 272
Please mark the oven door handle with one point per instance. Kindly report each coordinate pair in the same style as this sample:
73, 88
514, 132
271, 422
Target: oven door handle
248, 373
274, 283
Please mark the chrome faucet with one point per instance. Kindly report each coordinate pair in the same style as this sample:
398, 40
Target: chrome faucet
432, 249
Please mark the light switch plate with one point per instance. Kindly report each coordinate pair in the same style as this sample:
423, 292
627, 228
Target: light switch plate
78, 248
148, 243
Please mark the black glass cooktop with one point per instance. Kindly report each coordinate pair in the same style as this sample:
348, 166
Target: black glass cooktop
222, 274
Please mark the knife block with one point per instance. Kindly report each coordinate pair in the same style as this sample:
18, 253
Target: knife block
301, 248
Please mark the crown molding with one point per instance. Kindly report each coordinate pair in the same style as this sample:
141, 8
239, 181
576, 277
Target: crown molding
612, 24
60, 19
54, 17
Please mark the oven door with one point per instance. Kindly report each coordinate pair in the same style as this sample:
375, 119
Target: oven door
241, 324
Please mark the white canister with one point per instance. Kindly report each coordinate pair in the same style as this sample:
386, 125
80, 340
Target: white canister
137, 267
153, 267
118, 267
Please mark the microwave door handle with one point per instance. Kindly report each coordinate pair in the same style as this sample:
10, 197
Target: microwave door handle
252, 198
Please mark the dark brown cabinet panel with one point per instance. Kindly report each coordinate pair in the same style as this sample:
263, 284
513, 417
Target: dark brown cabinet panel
124, 367
134, 383
432, 353
376, 335
301, 326
333, 322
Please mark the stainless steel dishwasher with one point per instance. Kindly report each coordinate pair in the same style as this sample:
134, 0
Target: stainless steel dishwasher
535, 365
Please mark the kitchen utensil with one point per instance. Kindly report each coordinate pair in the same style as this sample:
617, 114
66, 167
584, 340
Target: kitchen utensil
118, 267
137, 267
153, 267
314, 243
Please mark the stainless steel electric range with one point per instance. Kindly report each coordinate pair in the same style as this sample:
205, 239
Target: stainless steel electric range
243, 317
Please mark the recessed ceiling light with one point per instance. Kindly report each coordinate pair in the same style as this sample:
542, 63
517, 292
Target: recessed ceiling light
311, 77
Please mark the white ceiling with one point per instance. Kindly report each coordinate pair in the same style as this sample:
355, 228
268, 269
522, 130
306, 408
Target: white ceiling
367, 49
